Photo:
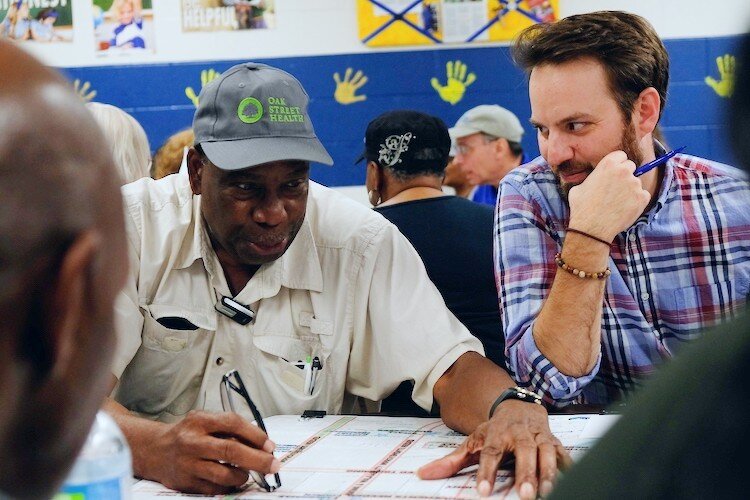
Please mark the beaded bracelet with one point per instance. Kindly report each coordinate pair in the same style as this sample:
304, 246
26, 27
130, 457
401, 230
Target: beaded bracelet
577, 272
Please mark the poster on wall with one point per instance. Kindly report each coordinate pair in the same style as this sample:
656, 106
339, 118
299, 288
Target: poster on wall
123, 27
36, 20
420, 22
227, 15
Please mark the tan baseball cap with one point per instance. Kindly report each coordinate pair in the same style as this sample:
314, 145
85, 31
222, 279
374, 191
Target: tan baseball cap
490, 119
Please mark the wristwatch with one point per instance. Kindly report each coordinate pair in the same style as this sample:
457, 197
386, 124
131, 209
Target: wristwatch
517, 393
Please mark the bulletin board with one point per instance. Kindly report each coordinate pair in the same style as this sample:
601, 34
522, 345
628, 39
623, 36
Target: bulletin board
422, 22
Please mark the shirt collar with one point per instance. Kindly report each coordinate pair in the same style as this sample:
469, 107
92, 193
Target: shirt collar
193, 242
666, 181
298, 268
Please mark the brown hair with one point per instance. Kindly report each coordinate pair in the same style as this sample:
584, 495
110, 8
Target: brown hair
628, 47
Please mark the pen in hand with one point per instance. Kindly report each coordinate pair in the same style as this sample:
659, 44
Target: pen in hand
655, 163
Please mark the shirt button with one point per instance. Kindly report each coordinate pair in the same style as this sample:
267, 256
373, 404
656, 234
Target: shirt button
219, 361
645, 296
632, 236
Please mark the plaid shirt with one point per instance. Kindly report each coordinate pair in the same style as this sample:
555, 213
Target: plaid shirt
683, 266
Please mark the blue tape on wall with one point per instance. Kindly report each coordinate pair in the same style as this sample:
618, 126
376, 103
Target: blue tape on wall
155, 95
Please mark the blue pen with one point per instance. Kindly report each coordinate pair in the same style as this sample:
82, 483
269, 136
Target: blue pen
659, 161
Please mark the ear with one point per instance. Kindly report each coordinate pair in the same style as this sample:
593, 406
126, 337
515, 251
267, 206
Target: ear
195, 166
646, 111
500, 147
70, 298
374, 179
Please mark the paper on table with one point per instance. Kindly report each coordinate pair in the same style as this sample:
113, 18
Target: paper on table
344, 455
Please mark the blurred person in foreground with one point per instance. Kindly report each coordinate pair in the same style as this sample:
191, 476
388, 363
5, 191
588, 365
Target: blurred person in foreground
62, 262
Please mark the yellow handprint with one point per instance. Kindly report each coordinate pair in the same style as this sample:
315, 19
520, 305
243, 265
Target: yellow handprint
458, 80
725, 86
207, 75
83, 90
348, 87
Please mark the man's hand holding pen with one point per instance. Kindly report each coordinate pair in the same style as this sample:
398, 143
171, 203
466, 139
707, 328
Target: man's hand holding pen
210, 453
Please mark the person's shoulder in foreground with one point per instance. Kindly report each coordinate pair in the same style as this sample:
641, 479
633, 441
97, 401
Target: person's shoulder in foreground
683, 436
62, 262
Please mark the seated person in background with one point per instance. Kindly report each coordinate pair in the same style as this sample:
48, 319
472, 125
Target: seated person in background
62, 263
674, 239
319, 274
455, 177
488, 146
127, 140
168, 158
406, 153
685, 435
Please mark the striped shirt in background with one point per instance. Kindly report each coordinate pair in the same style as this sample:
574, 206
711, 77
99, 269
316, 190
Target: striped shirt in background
683, 266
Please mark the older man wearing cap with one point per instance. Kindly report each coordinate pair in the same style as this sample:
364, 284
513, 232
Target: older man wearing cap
488, 146
246, 265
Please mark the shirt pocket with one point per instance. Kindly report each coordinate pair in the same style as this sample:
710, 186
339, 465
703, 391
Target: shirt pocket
704, 305
276, 361
165, 374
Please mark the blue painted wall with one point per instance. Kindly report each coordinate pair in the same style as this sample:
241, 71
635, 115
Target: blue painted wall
155, 95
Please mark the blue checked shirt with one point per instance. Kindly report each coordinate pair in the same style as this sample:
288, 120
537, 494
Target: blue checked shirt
683, 266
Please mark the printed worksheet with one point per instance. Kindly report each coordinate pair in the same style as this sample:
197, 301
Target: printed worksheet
354, 456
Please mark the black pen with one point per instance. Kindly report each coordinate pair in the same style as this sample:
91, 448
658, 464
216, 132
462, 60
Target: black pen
655, 163
316, 366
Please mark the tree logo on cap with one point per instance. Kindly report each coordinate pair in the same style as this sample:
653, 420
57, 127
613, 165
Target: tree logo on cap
250, 102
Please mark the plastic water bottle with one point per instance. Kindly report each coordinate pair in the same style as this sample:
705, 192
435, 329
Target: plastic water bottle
104, 468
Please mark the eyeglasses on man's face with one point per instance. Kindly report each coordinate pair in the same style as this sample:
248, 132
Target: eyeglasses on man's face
466, 149
235, 398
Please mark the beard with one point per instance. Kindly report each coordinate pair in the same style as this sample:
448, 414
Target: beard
628, 144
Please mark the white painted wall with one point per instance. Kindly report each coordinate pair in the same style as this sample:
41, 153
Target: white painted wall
325, 27
676, 18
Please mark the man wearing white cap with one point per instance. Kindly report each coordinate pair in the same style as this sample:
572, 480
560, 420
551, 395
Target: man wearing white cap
246, 267
488, 146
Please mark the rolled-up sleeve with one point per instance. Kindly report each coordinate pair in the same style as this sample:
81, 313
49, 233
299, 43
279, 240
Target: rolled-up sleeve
525, 248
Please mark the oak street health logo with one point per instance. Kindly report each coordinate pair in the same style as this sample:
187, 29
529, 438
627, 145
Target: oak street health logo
250, 110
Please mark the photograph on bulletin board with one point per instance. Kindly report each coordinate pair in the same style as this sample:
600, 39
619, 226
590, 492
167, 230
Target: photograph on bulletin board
227, 15
424, 22
123, 26
37, 20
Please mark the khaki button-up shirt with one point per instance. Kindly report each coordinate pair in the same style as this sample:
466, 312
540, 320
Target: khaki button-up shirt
350, 290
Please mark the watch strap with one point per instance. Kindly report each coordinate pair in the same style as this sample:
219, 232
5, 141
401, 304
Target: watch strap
517, 393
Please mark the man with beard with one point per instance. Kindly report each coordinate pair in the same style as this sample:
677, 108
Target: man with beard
312, 298
603, 274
